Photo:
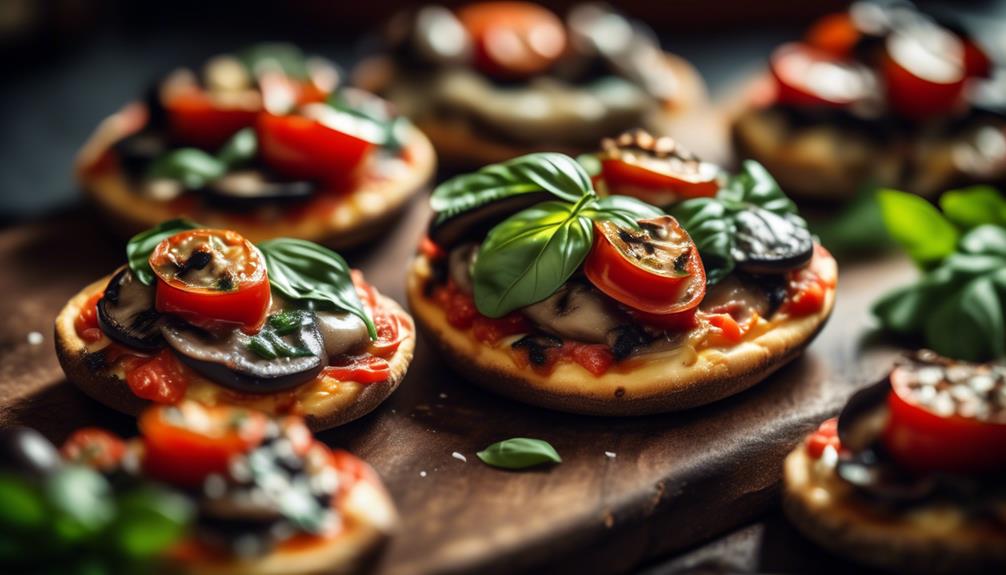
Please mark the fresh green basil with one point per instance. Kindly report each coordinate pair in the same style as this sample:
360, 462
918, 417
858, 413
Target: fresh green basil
373, 110
519, 453
753, 185
857, 230
974, 206
312, 275
623, 210
528, 256
286, 57
240, 149
192, 167
920, 228
556, 174
140, 246
273, 340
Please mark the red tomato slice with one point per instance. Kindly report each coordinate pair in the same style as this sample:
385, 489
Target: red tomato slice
159, 379
924, 71
656, 269
362, 369
212, 277
835, 34
94, 447
194, 119
513, 39
319, 143
86, 322
186, 443
650, 177
807, 76
922, 440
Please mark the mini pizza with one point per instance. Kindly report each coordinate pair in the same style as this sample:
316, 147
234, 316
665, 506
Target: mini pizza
494, 80
203, 314
909, 477
203, 491
534, 286
880, 95
265, 142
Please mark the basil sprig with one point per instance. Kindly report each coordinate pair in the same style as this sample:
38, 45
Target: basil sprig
711, 221
308, 273
195, 168
141, 245
519, 453
958, 306
556, 174
274, 341
375, 111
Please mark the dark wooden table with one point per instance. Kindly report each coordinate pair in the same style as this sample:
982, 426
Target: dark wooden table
676, 479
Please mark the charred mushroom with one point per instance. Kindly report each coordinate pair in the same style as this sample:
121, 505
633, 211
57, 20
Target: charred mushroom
126, 313
577, 312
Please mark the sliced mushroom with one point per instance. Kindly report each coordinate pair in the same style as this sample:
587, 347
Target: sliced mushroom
746, 294
459, 265
245, 189
767, 243
126, 313
578, 312
448, 230
229, 360
341, 333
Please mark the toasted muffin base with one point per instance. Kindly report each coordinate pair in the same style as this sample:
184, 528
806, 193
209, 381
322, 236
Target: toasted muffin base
661, 383
358, 216
323, 403
823, 508
369, 519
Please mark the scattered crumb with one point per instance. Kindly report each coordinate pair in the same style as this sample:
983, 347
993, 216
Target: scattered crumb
422, 474
459, 457
393, 410
610, 454
443, 395
35, 338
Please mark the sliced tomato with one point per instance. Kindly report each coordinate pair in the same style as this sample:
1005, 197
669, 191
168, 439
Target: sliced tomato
655, 269
317, 143
922, 440
186, 443
513, 39
807, 76
807, 293
195, 119
159, 379
490, 330
977, 63
595, 358
681, 321
94, 447
835, 34
925, 71
826, 436
212, 277
86, 322
361, 369
662, 179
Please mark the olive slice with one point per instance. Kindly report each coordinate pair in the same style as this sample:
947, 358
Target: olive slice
137, 151
25, 452
244, 189
230, 361
448, 230
767, 243
126, 313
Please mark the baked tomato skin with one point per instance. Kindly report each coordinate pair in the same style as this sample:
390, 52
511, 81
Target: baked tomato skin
212, 278
86, 322
160, 379
361, 369
647, 180
656, 269
924, 78
94, 447
304, 147
194, 119
807, 76
182, 445
513, 39
835, 34
923, 441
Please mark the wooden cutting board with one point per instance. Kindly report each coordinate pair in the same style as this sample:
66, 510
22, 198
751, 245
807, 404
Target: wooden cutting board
674, 479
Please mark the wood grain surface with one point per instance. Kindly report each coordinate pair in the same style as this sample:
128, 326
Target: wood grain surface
674, 480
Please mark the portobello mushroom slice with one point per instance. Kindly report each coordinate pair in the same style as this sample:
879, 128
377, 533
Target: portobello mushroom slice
271, 361
447, 229
767, 243
126, 313
251, 188
578, 312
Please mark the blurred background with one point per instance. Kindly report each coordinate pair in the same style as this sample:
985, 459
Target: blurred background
69, 63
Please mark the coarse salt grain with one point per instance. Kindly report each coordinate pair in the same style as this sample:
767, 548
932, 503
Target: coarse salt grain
459, 457
422, 474
35, 338
610, 454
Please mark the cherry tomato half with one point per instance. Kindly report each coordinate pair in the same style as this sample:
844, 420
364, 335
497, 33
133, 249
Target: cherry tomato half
922, 440
924, 71
513, 39
212, 277
835, 34
320, 143
184, 444
94, 447
195, 119
655, 269
807, 76
650, 178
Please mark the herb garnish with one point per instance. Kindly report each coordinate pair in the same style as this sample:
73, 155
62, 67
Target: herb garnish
272, 340
195, 168
519, 453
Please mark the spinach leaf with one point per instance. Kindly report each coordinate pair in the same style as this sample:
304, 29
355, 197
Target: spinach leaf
310, 274
140, 246
519, 453
556, 174
974, 206
528, 256
623, 210
919, 227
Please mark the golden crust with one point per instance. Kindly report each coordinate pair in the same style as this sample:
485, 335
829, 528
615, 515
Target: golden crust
358, 217
936, 540
369, 519
665, 382
324, 403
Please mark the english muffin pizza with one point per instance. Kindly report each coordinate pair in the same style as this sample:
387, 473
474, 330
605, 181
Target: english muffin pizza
880, 95
284, 327
533, 285
265, 142
493, 80
203, 490
910, 476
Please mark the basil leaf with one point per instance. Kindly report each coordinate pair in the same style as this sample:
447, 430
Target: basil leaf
985, 240
192, 167
81, 500
858, 229
969, 325
556, 174
141, 245
920, 228
286, 57
974, 206
308, 273
374, 110
623, 210
528, 256
519, 453
754, 185
148, 521
711, 226
22, 508
240, 149
269, 342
